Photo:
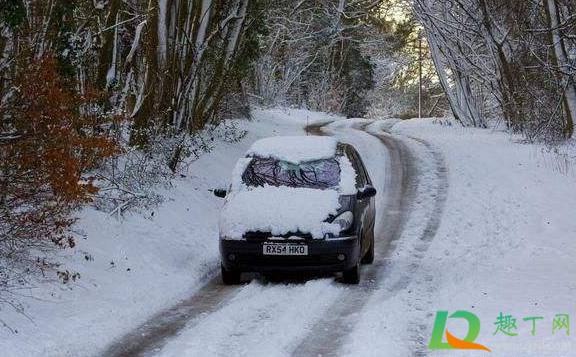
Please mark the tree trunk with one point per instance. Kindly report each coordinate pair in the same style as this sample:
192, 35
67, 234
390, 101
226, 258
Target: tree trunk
106, 52
562, 63
146, 108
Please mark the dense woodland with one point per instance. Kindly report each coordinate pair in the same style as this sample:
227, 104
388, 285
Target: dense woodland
510, 61
100, 100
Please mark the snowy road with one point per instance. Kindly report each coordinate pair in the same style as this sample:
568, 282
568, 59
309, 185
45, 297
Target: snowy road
329, 333
313, 318
499, 239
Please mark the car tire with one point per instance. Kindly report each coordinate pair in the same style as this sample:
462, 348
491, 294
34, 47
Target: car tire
230, 277
368, 258
352, 275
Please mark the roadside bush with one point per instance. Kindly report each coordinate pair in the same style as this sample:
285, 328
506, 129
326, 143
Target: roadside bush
49, 141
130, 181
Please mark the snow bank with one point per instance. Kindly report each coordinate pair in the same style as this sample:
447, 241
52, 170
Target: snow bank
349, 124
504, 244
299, 116
294, 149
279, 210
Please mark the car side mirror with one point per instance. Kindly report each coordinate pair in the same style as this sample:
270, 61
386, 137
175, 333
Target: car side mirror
219, 192
366, 192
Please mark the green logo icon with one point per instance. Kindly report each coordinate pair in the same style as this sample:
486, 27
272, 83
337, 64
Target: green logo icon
455, 343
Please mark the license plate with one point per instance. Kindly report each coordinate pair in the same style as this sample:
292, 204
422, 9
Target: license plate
284, 249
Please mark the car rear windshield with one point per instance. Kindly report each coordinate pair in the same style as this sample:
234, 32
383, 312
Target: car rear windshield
320, 174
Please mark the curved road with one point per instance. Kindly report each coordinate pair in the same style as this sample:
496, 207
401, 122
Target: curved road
327, 334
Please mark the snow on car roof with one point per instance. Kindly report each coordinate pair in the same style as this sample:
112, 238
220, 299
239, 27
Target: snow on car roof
295, 149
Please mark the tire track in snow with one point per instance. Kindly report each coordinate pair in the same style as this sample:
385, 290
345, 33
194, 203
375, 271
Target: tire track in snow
328, 336
264, 320
428, 234
154, 333
329, 333
407, 277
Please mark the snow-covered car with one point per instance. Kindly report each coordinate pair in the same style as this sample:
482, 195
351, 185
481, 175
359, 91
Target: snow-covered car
298, 203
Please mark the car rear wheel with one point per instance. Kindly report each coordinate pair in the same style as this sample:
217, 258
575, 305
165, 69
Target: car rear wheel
352, 275
368, 258
230, 277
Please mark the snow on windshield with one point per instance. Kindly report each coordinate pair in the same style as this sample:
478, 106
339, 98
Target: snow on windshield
295, 149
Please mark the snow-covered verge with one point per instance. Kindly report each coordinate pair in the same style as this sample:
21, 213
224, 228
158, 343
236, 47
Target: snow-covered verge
133, 267
504, 244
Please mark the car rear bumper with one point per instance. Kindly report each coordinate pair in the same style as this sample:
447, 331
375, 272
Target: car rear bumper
322, 256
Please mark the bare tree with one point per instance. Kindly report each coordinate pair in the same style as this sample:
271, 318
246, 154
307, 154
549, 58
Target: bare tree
497, 59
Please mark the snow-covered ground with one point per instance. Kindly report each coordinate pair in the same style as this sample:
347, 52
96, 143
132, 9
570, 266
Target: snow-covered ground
133, 267
490, 230
262, 320
504, 244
